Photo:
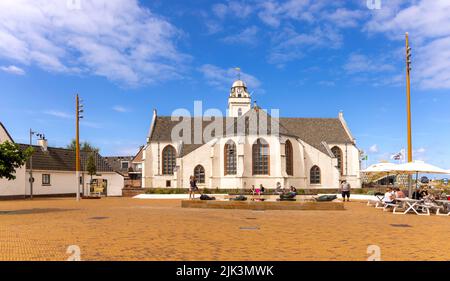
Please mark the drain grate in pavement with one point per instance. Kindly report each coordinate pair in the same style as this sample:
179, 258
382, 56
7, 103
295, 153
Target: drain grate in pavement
249, 228
401, 225
98, 218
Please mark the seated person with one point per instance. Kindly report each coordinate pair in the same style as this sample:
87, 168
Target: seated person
416, 194
293, 189
424, 192
261, 189
399, 193
389, 196
278, 189
253, 190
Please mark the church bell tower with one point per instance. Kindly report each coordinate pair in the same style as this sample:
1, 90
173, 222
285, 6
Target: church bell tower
239, 101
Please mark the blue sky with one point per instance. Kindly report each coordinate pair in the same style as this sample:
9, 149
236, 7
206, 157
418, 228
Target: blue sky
306, 58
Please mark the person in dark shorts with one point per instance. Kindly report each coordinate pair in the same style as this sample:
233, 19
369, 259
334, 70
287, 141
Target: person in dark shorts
345, 189
192, 187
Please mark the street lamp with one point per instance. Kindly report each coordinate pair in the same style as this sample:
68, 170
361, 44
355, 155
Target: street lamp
31, 179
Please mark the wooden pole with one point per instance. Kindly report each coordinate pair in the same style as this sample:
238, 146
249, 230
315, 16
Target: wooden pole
408, 107
77, 147
408, 97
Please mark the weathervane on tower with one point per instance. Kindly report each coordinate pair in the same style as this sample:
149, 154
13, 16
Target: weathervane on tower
238, 72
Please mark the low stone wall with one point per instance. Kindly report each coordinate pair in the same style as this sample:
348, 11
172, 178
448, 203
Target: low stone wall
132, 191
263, 205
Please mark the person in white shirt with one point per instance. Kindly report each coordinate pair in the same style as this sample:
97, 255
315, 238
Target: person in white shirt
389, 196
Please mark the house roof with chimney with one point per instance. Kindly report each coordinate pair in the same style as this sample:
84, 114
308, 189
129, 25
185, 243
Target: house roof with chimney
63, 159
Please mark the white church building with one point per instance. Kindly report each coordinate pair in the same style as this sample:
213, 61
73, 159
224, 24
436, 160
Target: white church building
249, 147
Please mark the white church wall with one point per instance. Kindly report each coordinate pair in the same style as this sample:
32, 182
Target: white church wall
350, 162
153, 176
298, 179
329, 173
200, 156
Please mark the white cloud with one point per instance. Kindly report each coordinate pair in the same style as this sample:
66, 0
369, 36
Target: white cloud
119, 40
232, 9
248, 36
374, 149
223, 78
59, 114
12, 69
290, 45
420, 150
344, 17
428, 24
361, 63
121, 109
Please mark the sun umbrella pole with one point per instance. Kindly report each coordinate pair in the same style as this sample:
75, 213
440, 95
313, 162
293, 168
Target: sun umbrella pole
410, 185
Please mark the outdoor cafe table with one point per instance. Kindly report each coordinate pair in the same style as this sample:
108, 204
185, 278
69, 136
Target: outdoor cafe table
410, 203
444, 203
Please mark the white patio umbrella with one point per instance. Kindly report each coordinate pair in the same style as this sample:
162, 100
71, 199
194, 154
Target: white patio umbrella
383, 167
417, 167
380, 167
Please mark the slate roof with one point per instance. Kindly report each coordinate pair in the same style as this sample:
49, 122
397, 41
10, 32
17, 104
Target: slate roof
62, 159
313, 131
115, 162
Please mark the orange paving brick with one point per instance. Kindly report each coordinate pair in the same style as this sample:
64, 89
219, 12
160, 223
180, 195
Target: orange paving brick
131, 229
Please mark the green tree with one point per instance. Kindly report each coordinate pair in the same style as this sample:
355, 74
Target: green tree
11, 158
90, 166
84, 146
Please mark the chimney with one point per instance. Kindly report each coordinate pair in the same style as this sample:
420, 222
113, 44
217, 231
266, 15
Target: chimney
43, 144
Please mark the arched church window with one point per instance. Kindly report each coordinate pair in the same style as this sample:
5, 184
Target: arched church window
337, 152
169, 160
289, 158
199, 173
230, 158
261, 157
314, 175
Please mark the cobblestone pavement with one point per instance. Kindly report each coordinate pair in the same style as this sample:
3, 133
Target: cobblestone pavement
132, 229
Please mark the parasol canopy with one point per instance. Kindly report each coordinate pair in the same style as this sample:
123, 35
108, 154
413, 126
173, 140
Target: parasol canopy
380, 167
419, 167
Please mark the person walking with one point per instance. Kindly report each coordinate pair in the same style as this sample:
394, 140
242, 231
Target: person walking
345, 190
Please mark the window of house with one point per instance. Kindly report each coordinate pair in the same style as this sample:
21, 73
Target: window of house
45, 179
124, 165
230, 158
199, 174
260, 157
314, 175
